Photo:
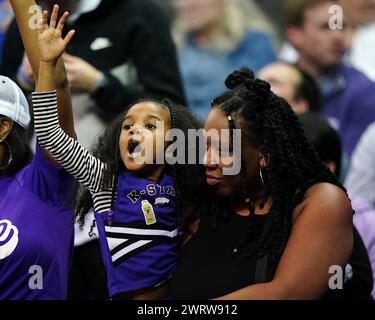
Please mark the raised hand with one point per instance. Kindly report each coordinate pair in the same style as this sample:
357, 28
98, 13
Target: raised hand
51, 43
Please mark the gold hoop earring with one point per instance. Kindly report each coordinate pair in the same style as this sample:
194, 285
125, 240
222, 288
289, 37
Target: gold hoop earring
10, 156
261, 177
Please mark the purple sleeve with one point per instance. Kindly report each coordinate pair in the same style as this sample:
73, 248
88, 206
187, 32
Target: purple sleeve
47, 181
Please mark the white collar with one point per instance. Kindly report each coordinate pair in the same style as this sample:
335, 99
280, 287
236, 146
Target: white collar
83, 6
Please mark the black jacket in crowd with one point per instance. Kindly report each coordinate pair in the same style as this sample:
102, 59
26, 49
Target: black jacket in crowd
137, 36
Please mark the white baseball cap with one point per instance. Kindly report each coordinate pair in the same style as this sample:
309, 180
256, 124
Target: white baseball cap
13, 103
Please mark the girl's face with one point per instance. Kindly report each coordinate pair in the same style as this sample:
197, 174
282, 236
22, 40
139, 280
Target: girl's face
228, 186
143, 138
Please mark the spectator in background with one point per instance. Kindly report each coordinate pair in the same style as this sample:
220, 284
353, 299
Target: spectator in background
360, 183
5, 18
215, 37
361, 176
129, 54
294, 85
349, 96
364, 220
272, 10
122, 51
302, 93
326, 142
360, 34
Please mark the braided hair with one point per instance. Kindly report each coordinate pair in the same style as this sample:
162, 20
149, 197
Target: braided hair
189, 180
293, 166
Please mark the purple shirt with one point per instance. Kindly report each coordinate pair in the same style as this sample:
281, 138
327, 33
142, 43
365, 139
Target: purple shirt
364, 220
36, 232
349, 104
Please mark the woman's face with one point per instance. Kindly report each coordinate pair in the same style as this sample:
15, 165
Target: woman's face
228, 186
199, 15
143, 137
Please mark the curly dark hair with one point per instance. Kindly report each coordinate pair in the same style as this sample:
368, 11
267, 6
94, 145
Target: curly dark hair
293, 165
189, 179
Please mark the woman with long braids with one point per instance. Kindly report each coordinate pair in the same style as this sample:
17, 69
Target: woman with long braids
136, 201
281, 227
36, 221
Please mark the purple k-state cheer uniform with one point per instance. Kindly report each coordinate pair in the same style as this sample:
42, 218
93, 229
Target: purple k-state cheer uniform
139, 239
138, 255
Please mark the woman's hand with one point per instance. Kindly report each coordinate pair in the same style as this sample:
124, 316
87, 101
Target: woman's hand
51, 43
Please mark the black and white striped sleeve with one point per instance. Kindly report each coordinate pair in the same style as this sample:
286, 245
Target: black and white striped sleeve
86, 168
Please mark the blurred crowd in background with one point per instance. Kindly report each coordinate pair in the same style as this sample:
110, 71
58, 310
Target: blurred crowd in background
184, 49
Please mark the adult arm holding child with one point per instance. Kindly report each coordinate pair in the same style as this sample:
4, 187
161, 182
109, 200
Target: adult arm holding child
30, 41
66, 150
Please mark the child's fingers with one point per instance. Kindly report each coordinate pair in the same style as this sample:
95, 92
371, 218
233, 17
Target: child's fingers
62, 21
68, 37
43, 22
55, 12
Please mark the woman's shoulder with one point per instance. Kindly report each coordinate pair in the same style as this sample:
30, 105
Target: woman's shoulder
322, 198
325, 187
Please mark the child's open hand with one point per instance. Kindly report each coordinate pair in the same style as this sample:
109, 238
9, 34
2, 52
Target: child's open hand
51, 43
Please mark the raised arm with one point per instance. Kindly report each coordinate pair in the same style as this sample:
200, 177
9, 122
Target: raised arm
67, 151
30, 41
51, 47
28, 34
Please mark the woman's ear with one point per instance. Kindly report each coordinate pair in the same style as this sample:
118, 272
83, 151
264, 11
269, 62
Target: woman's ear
6, 126
263, 162
263, 157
